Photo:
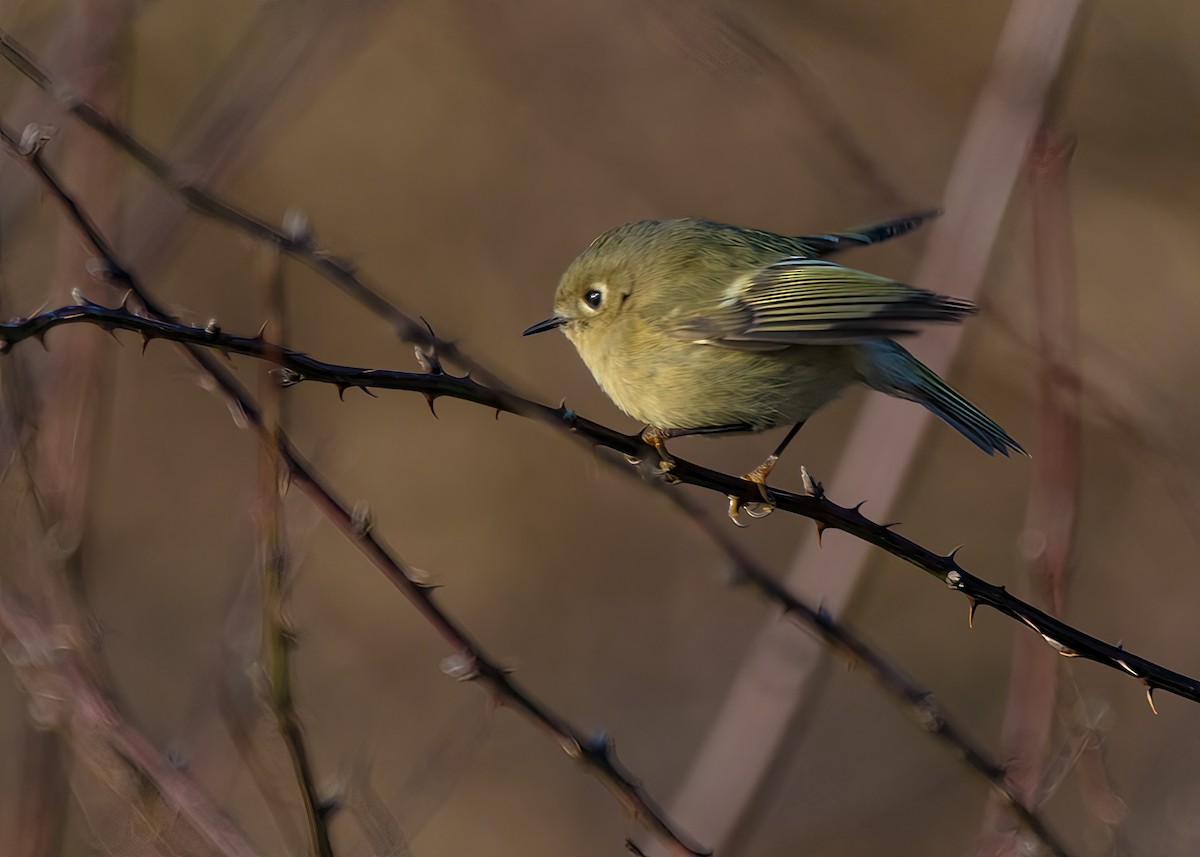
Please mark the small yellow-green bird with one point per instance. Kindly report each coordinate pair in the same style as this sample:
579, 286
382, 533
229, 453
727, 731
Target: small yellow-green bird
695, 327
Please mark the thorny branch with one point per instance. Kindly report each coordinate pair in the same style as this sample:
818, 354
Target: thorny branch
297, 367
470, 661
299, 244
278, 635
294, 365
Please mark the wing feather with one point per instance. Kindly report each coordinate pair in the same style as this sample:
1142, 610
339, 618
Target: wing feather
800, 301
822, 245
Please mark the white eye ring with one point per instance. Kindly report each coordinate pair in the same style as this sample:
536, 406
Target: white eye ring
593, 298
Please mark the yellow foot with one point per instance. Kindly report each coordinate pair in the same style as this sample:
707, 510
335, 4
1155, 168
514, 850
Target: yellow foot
657, 438
755, 510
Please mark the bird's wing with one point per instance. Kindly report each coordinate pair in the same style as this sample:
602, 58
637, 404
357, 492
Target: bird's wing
823, 245
810, 301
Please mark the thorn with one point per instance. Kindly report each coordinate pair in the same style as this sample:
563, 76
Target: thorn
889, 526
812, 487
426, 353
342, 388
1150, 697
429, 400
821, 527
124, 305
972, 605
497, 417
953, 555
262, 332
145, 342
858, 506
41, 337
368, 391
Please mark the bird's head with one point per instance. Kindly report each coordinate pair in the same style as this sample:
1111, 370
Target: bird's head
596, 289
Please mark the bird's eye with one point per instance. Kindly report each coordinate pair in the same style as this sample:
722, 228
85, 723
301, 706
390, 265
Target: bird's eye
593, 298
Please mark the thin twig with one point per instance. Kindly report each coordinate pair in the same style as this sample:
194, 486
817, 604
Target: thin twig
917, 701
52, 667
298, 367
340, 272
69, 410
470, 661
1034, 691
278, 636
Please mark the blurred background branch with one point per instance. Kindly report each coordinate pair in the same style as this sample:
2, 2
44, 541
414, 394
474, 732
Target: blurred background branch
454, 156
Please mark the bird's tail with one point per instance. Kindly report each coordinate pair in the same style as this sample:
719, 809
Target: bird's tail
890, 369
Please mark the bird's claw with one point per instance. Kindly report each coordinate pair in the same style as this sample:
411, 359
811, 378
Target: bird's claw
665, 465
755, 510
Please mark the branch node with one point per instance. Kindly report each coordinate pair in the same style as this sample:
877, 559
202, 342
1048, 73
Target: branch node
327, 807
287, 377
460, 666
34, 138
297, 228
361, 520
954, 579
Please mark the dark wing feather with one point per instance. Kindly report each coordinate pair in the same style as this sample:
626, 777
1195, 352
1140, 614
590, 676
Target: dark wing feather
809, 301
823, 245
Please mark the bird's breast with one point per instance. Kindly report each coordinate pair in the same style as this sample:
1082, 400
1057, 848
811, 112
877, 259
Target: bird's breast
669, 383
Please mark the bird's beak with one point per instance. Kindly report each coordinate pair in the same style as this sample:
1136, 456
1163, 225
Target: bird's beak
548, 324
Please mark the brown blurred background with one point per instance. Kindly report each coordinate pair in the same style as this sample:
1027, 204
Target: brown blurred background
461, 154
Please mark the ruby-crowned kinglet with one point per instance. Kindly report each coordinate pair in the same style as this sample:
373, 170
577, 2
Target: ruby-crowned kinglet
694, 327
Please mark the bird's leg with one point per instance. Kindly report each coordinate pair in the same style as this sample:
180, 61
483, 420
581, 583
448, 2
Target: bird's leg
658, 437
759, 477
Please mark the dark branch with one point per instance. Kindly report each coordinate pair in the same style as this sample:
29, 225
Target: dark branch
297, 367
471, 661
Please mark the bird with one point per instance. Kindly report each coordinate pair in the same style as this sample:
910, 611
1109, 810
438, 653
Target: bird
696, 327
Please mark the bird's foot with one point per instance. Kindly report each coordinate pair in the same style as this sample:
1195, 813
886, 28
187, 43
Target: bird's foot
754, 509
657, 438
